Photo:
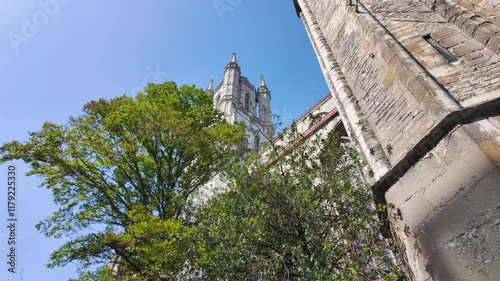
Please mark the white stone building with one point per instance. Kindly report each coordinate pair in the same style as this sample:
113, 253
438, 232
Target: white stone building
240, 101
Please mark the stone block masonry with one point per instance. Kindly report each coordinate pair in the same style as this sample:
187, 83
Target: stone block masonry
417, 84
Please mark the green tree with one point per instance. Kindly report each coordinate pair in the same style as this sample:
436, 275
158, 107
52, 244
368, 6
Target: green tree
123, 174
306, 214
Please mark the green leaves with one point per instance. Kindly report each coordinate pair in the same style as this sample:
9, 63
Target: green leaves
306, 216
124, 174
148, 153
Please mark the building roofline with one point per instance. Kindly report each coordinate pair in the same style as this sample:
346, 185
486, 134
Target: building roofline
298, 10
305, 135
218, 86
320, 102
245, 80
303, 116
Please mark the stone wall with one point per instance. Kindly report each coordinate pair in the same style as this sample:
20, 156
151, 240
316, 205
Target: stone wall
487, 9
427, 127
477, 22
448, 208
477, 72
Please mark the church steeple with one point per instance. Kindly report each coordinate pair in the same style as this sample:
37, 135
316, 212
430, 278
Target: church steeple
264, 100
241, 101
262, 82
232, 73
233, 59
233, 63
210, 87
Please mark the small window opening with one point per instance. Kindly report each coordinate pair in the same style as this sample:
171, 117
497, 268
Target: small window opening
247, 102
257, 105
441, 49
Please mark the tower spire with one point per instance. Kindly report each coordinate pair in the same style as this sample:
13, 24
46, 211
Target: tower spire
233, 63
264, 100
210, 87
233, 59
262, 82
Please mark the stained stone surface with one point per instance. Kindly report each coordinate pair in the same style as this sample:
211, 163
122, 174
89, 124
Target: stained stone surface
428, 128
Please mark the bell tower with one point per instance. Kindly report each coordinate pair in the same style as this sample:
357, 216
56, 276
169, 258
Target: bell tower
240, 101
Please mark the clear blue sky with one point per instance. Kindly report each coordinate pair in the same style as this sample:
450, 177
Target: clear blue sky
56, 58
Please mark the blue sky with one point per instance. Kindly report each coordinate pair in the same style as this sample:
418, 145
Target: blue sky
56, 55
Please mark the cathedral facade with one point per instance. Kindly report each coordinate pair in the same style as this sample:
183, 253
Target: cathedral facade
417, 85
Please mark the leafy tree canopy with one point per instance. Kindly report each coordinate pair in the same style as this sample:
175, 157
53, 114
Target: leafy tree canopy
122, 174
304, 215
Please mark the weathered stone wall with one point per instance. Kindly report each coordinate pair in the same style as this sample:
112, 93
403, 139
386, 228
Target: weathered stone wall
476, 74
372, 65
428, 128
448, 207
488, 9
472, 19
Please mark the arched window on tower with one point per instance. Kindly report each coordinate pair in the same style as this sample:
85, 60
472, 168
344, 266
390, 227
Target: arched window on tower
217, 102
247, 101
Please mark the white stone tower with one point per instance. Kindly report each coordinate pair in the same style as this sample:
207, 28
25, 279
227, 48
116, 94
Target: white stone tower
240, 101
264, 100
